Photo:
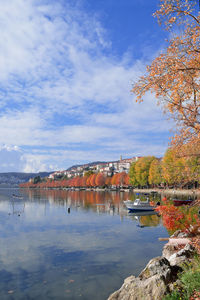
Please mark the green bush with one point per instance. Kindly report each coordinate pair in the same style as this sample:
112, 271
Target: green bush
190, 281
175, 295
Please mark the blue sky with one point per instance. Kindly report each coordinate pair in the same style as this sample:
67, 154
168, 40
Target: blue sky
67, 68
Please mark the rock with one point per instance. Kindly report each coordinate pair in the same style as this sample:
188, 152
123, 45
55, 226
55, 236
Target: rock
159, 277
151, 284
180, 234
150, 289
174, 254
174, 246
157, 266
179, 241
181, 256
169, 250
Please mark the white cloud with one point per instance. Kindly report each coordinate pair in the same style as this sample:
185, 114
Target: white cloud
9, 158
58, 88
33, 164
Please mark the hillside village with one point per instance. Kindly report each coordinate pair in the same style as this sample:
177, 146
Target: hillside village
106, 168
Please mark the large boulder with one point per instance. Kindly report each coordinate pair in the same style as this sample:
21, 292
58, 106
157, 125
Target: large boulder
159, 277
152, 283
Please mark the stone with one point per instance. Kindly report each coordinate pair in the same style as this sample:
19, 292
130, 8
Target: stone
169, 250
174, 246
179, 241
182, 256
180, 234
159, 277
157, 266
151, 284
152, 288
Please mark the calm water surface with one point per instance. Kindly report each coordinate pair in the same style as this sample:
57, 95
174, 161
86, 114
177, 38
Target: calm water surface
47, 252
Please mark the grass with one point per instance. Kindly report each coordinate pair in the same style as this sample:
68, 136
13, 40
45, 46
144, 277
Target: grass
189, 281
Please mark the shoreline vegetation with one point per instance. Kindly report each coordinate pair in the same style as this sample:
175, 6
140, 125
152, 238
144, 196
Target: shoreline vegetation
147, 173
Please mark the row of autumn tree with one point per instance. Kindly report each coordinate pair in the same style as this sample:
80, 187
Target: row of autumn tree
170, 171
89, 180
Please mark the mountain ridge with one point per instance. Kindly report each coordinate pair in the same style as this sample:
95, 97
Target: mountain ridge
12, 178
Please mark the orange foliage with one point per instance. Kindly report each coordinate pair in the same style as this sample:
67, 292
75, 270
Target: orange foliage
100, 179
174, 75
83, 181
175, 218
127, 179
121, 178
88, 180
108, 181
114, 180
93, 179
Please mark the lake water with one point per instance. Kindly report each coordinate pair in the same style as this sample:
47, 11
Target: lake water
48, 252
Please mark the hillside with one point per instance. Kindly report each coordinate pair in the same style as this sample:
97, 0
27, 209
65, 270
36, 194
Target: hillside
88, 165
14, 178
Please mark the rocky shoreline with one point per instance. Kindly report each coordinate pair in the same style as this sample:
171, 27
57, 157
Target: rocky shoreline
159, 277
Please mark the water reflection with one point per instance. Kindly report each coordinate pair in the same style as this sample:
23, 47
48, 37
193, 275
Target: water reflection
145, 219
99, 202
50, 253
16, 207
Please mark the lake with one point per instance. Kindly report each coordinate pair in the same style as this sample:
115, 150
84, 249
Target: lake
48, 251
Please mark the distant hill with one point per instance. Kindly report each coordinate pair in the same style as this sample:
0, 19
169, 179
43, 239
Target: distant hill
14, 178
88, 164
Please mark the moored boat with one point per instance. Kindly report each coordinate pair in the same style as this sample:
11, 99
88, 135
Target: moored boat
17, 196
179, 202
139, 205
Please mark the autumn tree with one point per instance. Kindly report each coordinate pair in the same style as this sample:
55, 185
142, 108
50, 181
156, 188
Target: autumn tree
77, 181
114, 180
83, 181
127, 180
108, 181
121, 178
88, 182
142, 167
174, 75
132, 175
193, 169
100, 179
155, 172
93, 179
173, 168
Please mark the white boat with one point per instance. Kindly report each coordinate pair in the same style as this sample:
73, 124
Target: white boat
17, 196
139, 205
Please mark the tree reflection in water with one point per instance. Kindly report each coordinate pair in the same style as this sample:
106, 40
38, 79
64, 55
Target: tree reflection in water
96, 201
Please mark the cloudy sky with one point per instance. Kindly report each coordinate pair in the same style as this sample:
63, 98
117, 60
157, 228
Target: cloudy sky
67, 68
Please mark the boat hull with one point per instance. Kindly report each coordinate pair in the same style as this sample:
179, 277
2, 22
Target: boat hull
182, 202
136, 206
140, 209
